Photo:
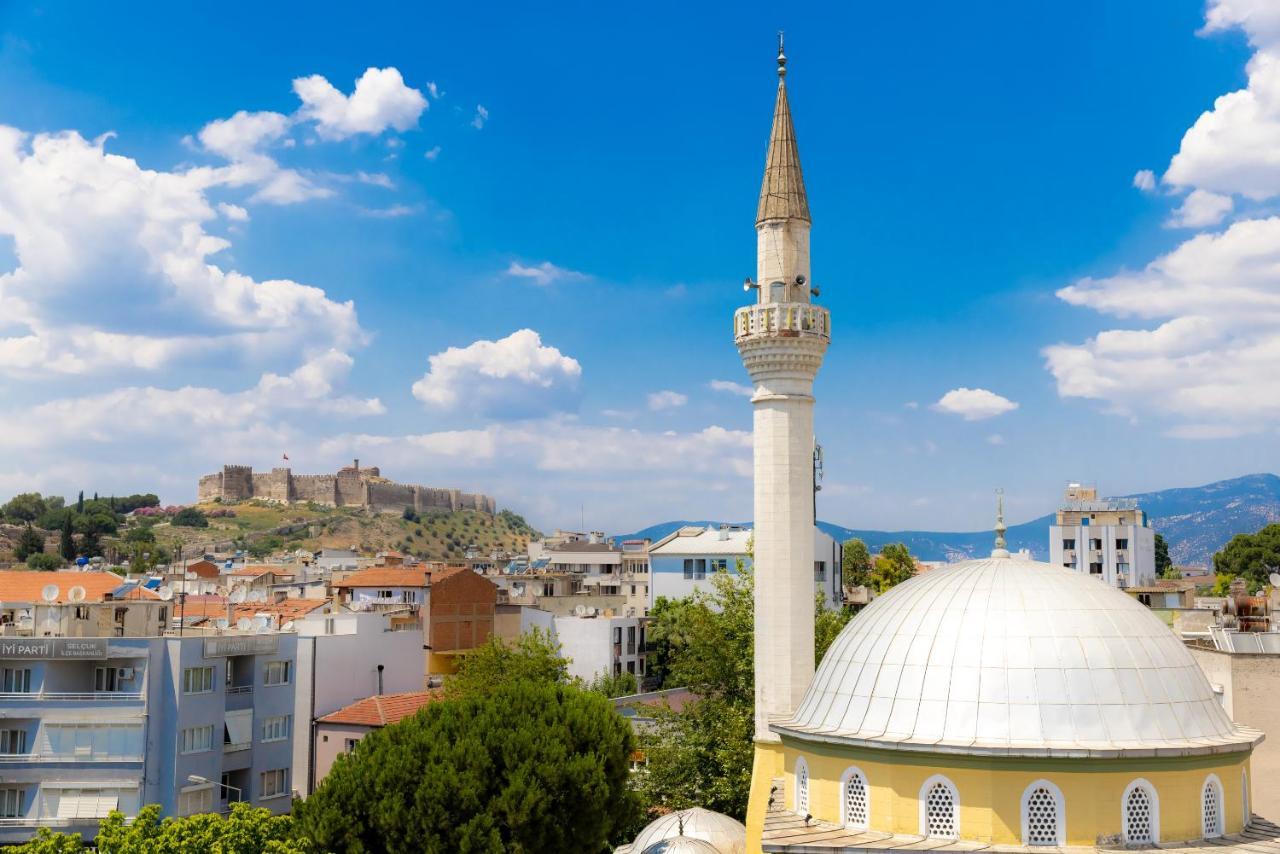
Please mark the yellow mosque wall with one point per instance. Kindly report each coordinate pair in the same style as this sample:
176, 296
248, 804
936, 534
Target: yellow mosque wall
991, 790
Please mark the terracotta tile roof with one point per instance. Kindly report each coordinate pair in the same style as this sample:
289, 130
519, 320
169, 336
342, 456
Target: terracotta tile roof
383, 709
448, 572
216, 606
386, 577
26, 585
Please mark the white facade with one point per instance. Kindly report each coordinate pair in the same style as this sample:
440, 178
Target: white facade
1109, 539
683, 562
602, 645
782, 338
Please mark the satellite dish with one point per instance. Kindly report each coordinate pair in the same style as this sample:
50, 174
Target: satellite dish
222, 623
220, 590
358, 606
243, 624
25, 622
49, 593
1275, 579
260, 623
287, 627
238, 596
579, 610
76, 594
191, 576
165, 592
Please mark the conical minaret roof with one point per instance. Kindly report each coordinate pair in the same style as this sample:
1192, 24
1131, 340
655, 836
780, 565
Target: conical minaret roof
782, 193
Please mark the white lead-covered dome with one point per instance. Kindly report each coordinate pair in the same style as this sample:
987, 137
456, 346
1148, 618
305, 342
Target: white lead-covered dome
1013, 657
723, 834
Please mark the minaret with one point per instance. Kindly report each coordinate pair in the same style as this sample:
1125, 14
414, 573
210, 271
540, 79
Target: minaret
782, 339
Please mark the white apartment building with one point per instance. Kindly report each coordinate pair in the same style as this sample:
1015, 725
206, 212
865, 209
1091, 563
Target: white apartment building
602, 645
1107, 538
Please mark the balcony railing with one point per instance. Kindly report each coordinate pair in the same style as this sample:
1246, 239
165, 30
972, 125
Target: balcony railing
239, 689
6, 758
96, 696
235, 746
782, 319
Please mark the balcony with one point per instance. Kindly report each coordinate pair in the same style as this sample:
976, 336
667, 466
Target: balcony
239, 689
25, 758
235, 747
77, 696
782, 320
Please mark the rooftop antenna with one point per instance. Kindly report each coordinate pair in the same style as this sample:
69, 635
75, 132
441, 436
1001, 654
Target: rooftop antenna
1000, 549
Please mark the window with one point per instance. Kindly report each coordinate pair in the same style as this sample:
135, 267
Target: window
120, 615
1211, 808
274, 783
699, 569
1042, 815
10, 803
688, 568
617, 634
164, 616
802, 787
351, 744
631, 667
631, 640
855, 801
197, 680
277, 673
385, 594
106, 679
81, 612
1095, 569
1121, 545
819, 570
276, 728
1069, 545
1141, 814
87, 803
13, 741
1095, 544
197, 739
719, 564
939, 808
15, 680
195, 800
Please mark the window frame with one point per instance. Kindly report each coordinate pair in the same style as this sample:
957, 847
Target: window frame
802, 781
1153, 796
281, 724
1212, 782
284, 664
1060, 804
849, 773
283, 783
923, 796
187, 680
189, 746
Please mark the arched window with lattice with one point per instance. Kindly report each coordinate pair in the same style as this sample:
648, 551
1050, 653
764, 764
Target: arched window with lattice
1140, 810
1211, 819
855, 799
939, 809
1043, 815
802, 786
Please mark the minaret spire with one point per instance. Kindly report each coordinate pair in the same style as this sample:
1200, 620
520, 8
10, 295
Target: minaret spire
782, 193
1001, 549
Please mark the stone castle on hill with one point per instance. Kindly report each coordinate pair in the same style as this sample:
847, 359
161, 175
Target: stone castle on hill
351, 486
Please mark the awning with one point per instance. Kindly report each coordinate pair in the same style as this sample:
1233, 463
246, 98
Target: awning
240, 727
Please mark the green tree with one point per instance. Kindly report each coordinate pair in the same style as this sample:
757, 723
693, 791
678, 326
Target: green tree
44, 560
140, 534
827, 625
855, 563
1164, 564
699, 756
190, 517
668, 632
892, 566
614, 685
534, 657
47, 841
26, 507
264, 546
1252, 557
30, 542
526, 767
80, 502
67, 542
90, 543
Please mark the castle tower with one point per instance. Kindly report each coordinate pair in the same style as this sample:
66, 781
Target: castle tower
782, 339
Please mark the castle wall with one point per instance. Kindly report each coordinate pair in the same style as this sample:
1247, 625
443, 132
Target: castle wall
390, 496
320, 488
350, 487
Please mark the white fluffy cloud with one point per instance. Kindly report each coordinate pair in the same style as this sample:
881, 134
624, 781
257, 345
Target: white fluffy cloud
115, 269
513, 377
974, 404
481, 116
730, 387
1205, 360
380, 101
544, 274
1201, 209
666, 399
1145, 180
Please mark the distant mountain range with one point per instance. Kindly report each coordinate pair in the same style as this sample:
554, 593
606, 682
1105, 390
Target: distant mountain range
1196, 521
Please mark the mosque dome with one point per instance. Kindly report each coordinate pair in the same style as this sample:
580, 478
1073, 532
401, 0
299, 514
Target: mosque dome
714, 831
1017, 658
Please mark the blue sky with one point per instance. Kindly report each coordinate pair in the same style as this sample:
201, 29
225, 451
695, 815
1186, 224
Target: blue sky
271, 243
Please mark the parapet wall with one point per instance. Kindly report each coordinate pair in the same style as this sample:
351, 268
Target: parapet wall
349, 487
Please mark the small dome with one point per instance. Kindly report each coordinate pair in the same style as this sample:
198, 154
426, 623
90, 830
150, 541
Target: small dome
723, 834
681, 845
1014, 657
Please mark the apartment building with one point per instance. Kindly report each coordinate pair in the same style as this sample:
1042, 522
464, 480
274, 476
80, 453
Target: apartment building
1107, 538
602, 645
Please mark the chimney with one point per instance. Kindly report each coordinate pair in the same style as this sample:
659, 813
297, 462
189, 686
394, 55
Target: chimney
357, 466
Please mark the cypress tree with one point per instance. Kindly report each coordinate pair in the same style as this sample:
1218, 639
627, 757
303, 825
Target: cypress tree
80, 502
68, 544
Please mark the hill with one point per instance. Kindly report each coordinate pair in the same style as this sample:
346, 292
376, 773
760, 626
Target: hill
1195, 521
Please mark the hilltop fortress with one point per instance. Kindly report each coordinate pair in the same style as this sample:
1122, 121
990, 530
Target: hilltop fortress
352, 486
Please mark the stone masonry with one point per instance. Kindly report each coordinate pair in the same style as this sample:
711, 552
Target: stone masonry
351, 486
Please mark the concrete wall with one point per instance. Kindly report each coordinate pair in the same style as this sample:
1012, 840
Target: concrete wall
331, 742
320, 488
1250, 685
390, 496
461, 611
588, 643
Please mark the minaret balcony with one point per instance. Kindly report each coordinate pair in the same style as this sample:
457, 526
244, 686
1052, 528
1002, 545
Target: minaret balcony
782, 320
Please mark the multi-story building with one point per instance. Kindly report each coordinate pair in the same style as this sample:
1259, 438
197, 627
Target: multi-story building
682, 561
1108, 538
635, 575
602, 645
